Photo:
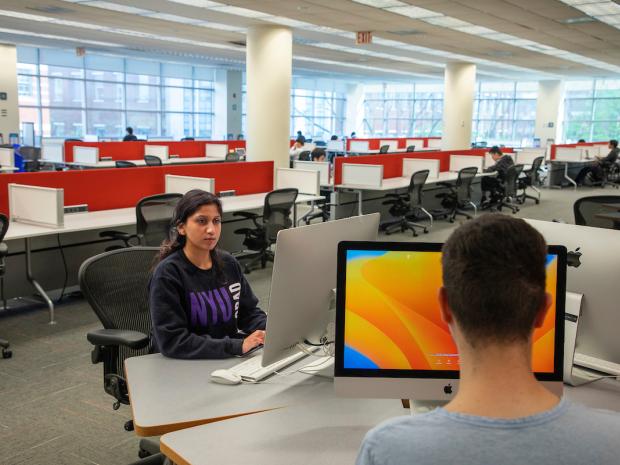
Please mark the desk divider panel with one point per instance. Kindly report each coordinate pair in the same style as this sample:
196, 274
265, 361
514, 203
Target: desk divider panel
434, 143
85, 154
362, 175
335, 145
321, 166
359, 146
41, 206
216, 150
569, 154
393, 143
458, 162
7, 156
411, 165
160, 151
52, 151
527, 156
419, 143
306, 181
183, 184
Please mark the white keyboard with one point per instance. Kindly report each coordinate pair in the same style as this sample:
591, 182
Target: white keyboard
252, 370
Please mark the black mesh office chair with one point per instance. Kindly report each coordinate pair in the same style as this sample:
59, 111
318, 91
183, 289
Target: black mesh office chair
152, 160
406, 207
276, 216
410, 148
239, 136
4, 250
153, 216
586, 209
510, 187
232, 156
186, 138
531, 180
384, 149
334, 137
305, 155
124, 164
459, 198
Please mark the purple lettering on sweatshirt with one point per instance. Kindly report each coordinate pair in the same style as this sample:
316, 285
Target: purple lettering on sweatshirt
198, 309
227, 313
208, 296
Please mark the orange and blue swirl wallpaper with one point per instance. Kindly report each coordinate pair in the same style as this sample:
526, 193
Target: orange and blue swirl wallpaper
393, 321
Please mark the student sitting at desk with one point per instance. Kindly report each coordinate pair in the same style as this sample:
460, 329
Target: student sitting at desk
503, 162
199, 297
501, 414
317, 155
130, 136
595, 172
297, 148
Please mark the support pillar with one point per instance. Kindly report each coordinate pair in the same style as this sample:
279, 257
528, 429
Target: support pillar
458, 105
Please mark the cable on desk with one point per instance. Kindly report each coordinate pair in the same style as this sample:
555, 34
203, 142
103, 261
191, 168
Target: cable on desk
64, 262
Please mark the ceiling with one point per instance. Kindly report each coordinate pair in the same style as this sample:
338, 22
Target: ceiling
511, 39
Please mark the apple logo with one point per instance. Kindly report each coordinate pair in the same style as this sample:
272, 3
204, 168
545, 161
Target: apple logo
573, 258
447, 389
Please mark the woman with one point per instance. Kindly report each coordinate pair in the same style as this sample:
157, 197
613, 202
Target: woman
201, 304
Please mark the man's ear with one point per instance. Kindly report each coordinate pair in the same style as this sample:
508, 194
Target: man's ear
446, 313
543, 310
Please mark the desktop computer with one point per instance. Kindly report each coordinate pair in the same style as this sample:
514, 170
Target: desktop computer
390, 339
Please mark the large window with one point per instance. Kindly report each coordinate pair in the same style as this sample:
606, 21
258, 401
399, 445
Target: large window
69, 96
505, 113
401, 110
591, 110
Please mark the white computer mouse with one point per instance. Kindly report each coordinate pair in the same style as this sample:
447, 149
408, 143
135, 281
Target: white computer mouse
225, 377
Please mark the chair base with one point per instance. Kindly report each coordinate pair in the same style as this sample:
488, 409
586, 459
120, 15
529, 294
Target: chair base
6, 353
403, 224
255, 257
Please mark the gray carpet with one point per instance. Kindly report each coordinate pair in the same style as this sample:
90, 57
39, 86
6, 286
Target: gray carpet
52, 406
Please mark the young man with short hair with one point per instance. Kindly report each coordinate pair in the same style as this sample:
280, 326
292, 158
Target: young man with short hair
490, 184
501, 413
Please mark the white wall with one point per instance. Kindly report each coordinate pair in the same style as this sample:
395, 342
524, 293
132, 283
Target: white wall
458, 105
9, 108
549, 110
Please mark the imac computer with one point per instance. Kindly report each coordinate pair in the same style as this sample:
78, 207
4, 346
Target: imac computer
303, 280
594, 272
390, 339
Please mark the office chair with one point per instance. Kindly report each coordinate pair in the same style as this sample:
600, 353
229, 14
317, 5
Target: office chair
305, 155
410, 148
239, 136
232, 156
4, 250
152, 160
187, 138
459, 197
276, 216
153, 214
384, 149
532, 180
509, 188
334, 137
586, 209
406, 207
124, 164
115, 284
73, 139
230, 136
323, 209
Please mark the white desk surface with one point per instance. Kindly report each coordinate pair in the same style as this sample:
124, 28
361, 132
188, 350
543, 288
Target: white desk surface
170, 161
102, 219
168, 395
8, 169
390, 184
318, 432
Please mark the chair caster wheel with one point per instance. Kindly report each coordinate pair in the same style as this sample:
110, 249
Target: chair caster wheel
7, 353
128, 425
451, 220
143, 454
425, 231
387, 233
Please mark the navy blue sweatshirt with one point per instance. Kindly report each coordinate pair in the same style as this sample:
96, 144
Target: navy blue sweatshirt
198, 314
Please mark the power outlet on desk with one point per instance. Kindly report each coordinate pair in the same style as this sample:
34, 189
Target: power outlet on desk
229, 193
76, 208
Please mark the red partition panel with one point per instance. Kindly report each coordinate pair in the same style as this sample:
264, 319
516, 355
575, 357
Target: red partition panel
106, 189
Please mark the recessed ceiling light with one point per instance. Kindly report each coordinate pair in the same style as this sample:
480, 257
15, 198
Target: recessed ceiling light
580, 20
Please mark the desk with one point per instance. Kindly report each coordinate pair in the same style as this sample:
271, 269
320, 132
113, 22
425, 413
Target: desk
8, 169
613, 216
568, 164
110, 219
170, 161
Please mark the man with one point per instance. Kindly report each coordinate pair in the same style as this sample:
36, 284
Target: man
490, 184
130, 135
493, 296
301, 137
594, 173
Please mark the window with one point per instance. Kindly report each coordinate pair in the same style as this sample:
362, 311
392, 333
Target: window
591, 110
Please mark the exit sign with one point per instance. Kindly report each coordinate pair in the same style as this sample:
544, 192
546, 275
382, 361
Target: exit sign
364, 37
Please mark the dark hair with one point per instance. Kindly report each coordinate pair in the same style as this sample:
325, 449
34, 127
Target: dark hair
316, 154
300, 140
187, 206
129, 129
495, 150
494, 275
614, 143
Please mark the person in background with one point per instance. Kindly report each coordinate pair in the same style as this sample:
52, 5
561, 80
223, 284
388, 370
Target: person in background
595, 172
353, 135
297, 148
501, 414
490, 184
318, 155
130, 135
301, 137
201, 304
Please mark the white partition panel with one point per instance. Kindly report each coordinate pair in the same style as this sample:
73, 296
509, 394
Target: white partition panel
527, 156
434, 143
321, 166
354, 174
85, 154
335, 145
42, 206
53, 150
359, 146
458, 162
595, 151
160, 151
419, 143
392, 143
411, 165
306, 181
569, 154
183, 184
7, 156
216, 150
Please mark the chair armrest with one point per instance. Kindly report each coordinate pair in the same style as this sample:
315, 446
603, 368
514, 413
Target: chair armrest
118, 337
121, 236
4, 249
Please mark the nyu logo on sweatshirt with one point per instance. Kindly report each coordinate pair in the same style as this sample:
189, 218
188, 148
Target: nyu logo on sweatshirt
215, 306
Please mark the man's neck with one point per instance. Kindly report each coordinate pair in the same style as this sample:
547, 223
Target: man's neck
498, 382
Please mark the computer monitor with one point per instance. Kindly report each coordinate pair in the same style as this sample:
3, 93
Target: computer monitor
304, 275
390, 339
596, 277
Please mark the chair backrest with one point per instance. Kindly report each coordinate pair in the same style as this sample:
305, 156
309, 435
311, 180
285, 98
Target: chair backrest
510, 180
277, 211
586, 209
305, 155
115, 285
418, 179
334, 137
152, 160
187, 138
463, 184
535, 171
239, 136
232, 156
410, 148
4, 225
153, 216
124, 164
384, 149
73, 139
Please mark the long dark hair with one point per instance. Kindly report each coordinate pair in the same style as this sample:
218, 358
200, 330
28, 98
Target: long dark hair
187, 206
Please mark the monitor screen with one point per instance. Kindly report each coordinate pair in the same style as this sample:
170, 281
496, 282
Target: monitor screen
389, 321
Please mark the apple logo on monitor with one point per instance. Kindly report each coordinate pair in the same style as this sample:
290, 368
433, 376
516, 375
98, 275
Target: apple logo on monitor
447, 389
573, 258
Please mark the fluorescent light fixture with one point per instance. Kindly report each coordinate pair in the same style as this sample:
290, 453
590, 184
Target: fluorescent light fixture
600, 9
173, 18
413, 12
238, 11
381, 3
370, 68
613, 20
288, 22
54, 37
474, 30
222, 27
115, 7
446, 21
197, 3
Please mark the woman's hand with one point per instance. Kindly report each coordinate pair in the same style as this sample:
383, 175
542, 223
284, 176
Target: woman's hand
253, 340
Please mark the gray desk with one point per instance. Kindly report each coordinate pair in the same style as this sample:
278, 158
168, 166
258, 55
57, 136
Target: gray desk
568, 164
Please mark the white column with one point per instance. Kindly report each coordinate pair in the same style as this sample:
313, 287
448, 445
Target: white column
269, 63
234, 88
354, 121
9, 108
548, 111
458, 105
227, 104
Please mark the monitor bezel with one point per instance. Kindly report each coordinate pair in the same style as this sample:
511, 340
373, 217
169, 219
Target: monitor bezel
341, 371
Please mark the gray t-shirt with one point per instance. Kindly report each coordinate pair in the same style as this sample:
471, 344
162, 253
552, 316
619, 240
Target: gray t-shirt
568, 434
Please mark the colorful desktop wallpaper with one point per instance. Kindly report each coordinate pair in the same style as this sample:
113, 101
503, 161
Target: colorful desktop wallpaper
392, 316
